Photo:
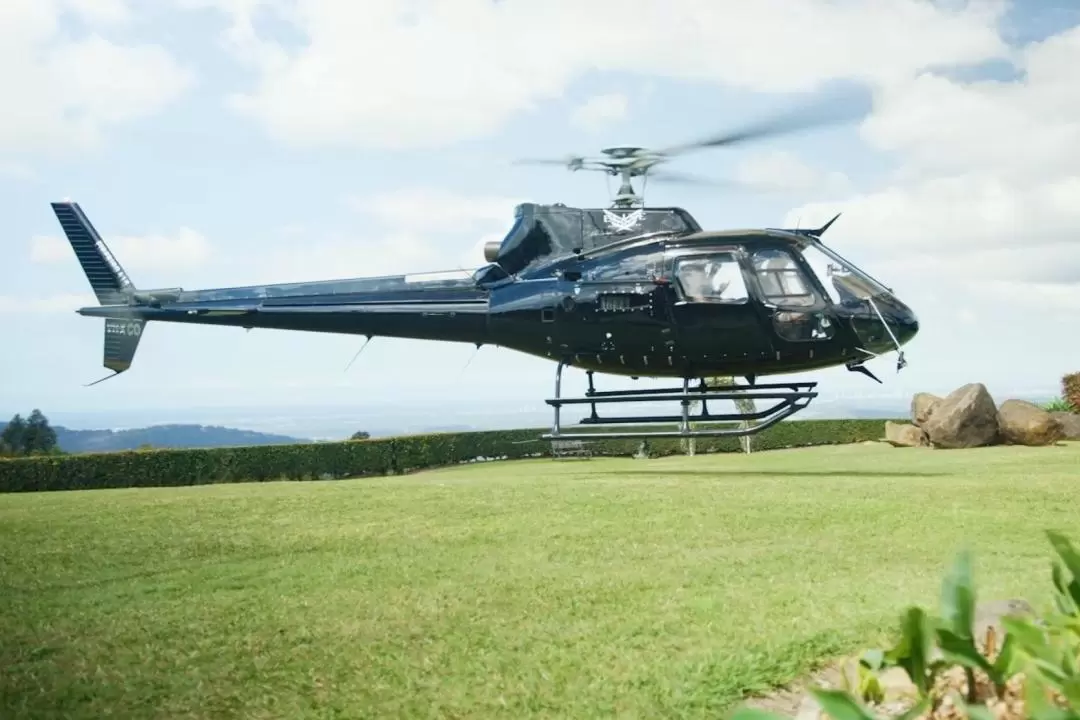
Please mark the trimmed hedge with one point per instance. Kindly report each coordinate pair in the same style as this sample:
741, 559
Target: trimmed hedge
380, 456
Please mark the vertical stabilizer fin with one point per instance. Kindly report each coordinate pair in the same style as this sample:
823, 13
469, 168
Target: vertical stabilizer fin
107, 278
110, 284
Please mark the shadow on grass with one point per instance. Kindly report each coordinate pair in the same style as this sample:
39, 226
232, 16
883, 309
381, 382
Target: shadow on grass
774, 473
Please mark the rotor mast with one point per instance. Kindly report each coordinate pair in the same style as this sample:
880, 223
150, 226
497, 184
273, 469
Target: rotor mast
629, 162
625, 163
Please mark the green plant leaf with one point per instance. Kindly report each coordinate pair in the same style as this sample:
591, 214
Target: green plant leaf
975, 712
840, 705
756, 714
962, 651
1005, 662
916, 710
869, 689
913, 649
1071, 690
1065, 550
1064, 599
1052, 673
1027, 638
1037, 705
958, 596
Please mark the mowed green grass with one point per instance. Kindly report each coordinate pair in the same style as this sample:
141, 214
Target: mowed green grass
640, 588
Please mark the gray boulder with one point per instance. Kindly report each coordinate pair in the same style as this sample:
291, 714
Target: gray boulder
1070, 424
904, 435
922, 406
1025, 423
965, 418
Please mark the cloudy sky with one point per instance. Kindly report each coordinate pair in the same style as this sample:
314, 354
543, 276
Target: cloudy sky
220, 142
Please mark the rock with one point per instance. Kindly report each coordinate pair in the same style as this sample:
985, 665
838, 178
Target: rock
965, 418
1025, 423
810, 709
896, 685
922, 406
989, 614
904, 435
1070, 424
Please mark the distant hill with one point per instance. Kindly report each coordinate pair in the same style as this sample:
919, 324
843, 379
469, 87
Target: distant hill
164, 436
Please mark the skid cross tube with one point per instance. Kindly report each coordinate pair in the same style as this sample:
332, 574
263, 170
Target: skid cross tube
790, 397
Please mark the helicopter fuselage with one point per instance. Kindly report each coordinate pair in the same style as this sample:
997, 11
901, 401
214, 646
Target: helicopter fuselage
650, 296
635, 310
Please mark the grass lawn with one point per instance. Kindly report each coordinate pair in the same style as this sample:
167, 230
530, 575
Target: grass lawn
642, 588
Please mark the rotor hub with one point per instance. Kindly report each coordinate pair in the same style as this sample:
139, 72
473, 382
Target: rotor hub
630, 161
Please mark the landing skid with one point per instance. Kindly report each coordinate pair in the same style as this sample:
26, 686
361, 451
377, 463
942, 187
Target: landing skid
790, 397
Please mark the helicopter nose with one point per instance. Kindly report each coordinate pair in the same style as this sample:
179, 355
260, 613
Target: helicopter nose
906, 322
901, 324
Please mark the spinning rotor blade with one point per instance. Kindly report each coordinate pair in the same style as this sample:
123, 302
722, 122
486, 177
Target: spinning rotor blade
543, 161
737, 186
819, 113
685, 179
570, 161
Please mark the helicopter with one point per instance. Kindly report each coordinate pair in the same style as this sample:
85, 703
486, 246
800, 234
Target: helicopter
626, 290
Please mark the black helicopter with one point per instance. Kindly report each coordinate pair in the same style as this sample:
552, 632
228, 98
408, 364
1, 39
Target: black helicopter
627, 290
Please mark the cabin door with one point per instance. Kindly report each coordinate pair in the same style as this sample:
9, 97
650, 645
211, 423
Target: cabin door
716, 322
798, 313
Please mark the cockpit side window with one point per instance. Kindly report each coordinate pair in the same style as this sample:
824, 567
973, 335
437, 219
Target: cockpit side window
781, 279
713, 278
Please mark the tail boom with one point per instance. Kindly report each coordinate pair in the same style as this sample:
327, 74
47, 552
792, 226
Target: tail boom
460, 321
446, 306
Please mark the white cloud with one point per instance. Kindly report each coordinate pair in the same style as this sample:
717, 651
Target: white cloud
397, 73
783, 172
408, 230
184, 249
102, 12
986, 200
62, 93
15, 305
15, 171
600, 110
424, 209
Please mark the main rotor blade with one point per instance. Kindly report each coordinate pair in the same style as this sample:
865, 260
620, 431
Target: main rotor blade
820, 112
679, 178
569, 161
542, 161
734, 186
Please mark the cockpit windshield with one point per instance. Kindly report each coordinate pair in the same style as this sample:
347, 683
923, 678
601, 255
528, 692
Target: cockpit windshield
844, 283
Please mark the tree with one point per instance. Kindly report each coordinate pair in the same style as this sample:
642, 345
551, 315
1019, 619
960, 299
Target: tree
39, 437
11, 440
360, 435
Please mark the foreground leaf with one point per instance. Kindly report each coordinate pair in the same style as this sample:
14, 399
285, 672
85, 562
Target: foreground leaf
1067, 595
1068, 554
975, 712
913, 649
962, 651
958, 596
1005, 664
840, 705
756, 714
